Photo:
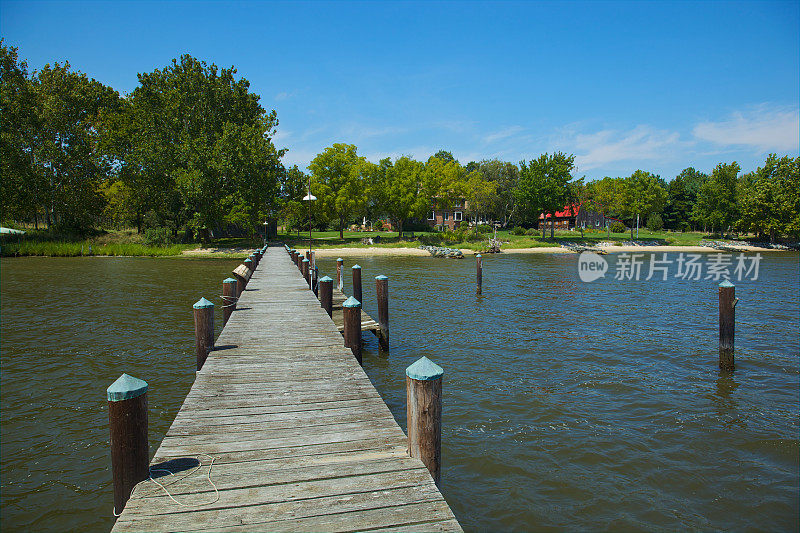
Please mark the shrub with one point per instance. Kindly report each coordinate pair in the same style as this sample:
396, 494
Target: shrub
378, 226
655, 222
531, 231
157, 236
518, 231
432, 239
618, 227
485, 228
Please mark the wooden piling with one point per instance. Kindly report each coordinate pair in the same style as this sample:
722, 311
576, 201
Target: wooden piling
351, 309
357, 294
315, 280
229, 298
424, 414
306, 271
340, 274
249, 264
479, 268
382, 293
326, 295
727, 315
203, 330
127, 420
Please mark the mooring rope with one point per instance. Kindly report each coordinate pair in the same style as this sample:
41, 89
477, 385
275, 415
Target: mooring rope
171, 497
233, 299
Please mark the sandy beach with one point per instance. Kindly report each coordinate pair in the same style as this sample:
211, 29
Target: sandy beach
379, 251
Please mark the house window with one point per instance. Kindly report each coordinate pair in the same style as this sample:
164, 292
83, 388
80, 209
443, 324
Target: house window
445, 216
431, 216
458, 216
459, 203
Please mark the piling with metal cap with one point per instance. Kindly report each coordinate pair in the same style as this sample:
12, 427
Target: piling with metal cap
249, 264
351, 309
727, 315
424, 414
357, 294
294, 257
127, 420
479, 269
382, 293
229, 298
203, 330
340, 274
326, 295
306, 271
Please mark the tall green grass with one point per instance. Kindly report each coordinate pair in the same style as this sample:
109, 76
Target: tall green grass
76, 249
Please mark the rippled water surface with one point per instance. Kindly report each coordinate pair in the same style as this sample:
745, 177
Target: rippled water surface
567, 405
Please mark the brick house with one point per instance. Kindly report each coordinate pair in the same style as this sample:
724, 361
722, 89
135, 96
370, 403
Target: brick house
585, 214
448, 218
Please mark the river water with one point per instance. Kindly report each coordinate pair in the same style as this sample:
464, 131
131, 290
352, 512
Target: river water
567, 405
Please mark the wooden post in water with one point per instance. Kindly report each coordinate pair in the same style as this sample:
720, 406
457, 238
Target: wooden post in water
203, 330
382, 293
229, 297
127, 419
249, 264
357, 294
424, 414
254, 258
306, 271
308, 255
295, 258
351, 309
315, 280
479, 267
326, 295
340, 274
727, 315
240, 283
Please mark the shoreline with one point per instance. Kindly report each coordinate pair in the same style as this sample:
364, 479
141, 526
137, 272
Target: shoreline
241, 253
410, 252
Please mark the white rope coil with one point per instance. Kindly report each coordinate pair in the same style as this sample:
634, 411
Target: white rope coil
170, 472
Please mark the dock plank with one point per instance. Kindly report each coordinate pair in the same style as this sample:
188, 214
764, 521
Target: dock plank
289, 428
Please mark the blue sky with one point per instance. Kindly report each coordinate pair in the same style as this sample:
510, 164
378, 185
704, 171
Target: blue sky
622, 85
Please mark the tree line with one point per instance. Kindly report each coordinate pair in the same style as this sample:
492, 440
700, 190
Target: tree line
190, 151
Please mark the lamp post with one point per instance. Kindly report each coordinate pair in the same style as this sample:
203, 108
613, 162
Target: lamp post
266, 225
309, 198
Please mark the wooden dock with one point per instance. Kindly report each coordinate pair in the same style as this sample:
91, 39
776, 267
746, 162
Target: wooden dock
283, 431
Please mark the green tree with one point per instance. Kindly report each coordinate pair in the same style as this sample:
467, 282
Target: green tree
769, 198
21, 188
444, 182
338, 177
504, 176
643, 194
200, 147
399, 190
716, 202
70, 108
544, 186
682, 196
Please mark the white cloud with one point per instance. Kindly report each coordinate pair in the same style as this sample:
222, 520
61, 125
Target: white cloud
643, 143
761, 127
284, 96
505, 133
